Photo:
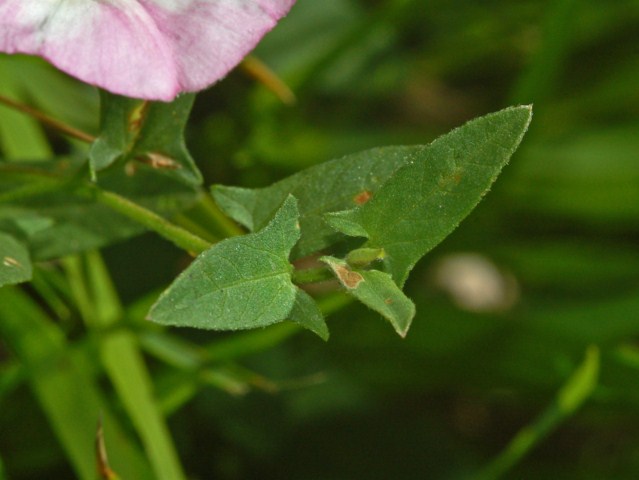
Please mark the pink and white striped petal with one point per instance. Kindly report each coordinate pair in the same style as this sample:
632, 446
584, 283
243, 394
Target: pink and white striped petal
152, 49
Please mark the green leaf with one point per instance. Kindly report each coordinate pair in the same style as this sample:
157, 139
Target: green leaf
242, 282
331, 186
376, 290
15, 264
426, 199
152, 132
306, 313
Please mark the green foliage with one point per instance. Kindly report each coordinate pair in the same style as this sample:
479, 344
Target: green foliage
122, 358
376, 290
151, 132
328, 187
426, 199
542, 270
65, 388
306, 313
49, 207
407, 199
242, 282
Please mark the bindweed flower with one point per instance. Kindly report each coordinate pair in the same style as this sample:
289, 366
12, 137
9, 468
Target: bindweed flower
152, 49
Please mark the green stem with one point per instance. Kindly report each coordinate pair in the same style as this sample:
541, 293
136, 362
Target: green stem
248, 343
196, 228
174, 233
17, 169
571, 396
226, 225
47, 120
177, 235
190, 358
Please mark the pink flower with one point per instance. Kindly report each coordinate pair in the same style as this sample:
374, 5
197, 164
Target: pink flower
151, 49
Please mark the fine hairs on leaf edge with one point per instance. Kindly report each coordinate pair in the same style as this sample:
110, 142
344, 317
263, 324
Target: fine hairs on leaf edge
348, 222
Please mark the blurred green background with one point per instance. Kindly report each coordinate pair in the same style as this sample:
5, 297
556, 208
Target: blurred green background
544, 268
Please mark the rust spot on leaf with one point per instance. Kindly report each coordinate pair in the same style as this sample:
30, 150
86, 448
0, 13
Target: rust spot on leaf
362, 197
388, 301
349, 278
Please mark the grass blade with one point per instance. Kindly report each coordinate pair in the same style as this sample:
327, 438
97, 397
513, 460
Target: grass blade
571, 396
124, 364
64, 389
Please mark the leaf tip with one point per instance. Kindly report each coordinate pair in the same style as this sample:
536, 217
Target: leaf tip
528, 109
402, 331
346, 222
324, 335
306, 313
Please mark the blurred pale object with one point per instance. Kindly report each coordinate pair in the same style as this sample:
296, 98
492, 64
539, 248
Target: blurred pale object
475, 283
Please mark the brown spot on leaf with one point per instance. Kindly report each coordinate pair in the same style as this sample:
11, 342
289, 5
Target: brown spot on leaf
362, 197
388, 301
349, 278
138, 116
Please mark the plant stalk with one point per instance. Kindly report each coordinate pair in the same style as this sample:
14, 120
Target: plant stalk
177, 235
47, 120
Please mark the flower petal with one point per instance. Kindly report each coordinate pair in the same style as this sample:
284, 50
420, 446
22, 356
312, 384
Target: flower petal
210, 37
151, 49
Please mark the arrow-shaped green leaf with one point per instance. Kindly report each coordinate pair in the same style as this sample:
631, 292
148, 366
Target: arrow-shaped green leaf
425, 200
242, 282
